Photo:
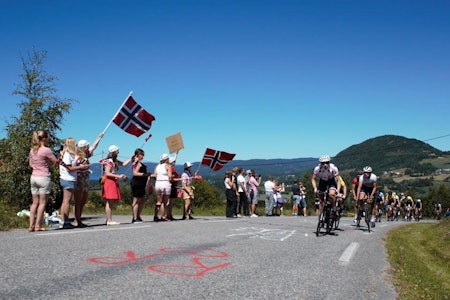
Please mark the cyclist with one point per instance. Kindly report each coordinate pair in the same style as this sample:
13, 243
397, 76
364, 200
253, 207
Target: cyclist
367, 185
418, 213
329, 178
354, 190
390, 204
438, 210
408, 208
379, 200
342, 194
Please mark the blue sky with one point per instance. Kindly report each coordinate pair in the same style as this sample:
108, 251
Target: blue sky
262, 79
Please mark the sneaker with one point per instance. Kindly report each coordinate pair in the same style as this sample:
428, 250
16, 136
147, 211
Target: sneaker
191, 217
112, 223
136, 221
164, 218
253, 216
156, 219
239, 216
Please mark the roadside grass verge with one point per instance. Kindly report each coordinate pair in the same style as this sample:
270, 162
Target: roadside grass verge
419, 255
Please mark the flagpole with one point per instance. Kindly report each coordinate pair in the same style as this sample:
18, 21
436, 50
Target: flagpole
120, 107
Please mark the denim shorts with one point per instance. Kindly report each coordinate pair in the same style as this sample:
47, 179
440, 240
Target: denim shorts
67, 185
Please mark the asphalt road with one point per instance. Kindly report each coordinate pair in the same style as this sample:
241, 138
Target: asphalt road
204, 258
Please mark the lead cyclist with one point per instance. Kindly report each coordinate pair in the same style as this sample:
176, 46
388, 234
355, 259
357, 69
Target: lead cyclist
329, 178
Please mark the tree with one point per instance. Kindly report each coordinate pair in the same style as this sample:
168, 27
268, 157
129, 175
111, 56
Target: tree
41, 110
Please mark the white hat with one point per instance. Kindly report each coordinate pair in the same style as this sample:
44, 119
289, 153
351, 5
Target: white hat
113, 148
172, 159
82, 143
164, 156
187, 165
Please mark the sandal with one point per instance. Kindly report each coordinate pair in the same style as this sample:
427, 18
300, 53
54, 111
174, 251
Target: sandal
31, 229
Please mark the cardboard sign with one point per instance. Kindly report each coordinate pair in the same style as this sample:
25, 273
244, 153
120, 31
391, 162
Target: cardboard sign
175, 142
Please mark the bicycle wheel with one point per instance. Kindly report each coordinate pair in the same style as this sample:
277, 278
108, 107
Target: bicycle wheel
367, 216
319, 222
336, 222
328, 219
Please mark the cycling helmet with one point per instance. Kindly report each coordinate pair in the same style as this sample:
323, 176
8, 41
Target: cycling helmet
324, 158
367, 169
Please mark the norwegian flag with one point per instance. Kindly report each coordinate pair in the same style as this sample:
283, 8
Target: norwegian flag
216, 159
133, 118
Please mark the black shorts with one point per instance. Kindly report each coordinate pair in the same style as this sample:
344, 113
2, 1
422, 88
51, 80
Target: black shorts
324, 185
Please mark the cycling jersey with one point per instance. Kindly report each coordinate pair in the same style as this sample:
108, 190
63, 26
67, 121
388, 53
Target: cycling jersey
326, 176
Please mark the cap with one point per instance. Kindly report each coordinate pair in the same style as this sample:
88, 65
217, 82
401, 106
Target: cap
248, 171
82, 143
172, 159
113, 148
187, 165
164, 156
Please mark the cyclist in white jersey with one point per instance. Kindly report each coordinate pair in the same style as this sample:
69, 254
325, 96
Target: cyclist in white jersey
367, 186
329, 178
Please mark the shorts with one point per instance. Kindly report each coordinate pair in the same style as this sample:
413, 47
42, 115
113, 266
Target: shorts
296, 199
163, 187
67, 185
367, 190
303, 201
40, 185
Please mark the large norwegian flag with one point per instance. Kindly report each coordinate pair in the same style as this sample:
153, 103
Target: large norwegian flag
133, 118
216, 159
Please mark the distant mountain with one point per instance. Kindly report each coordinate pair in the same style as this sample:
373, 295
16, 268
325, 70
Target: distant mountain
385, 153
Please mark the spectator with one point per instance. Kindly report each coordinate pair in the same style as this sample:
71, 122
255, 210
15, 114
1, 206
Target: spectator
252, 185
230, 194
295, 197
68, 170
138, 183
84, 152
242, 190
163, 174
110, 189
173, 190
269, 187
188, 191
303, 199
39, 159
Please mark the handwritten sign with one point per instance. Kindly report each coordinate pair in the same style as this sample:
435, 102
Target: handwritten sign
175, 142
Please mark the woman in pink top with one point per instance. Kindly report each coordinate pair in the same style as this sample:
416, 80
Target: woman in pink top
39, 159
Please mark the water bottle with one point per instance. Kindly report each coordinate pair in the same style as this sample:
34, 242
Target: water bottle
46, 218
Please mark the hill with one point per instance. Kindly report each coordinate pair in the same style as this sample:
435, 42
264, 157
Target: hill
386, 153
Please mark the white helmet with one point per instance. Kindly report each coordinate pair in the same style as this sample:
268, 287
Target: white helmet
187, 165
367, 169
324, 158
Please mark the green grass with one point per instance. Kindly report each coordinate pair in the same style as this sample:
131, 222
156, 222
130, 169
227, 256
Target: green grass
420, 259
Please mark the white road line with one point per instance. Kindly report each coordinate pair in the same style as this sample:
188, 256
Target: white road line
89, 230
349, 252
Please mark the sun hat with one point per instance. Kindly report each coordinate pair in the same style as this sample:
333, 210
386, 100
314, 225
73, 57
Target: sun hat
82, 143
164, 156
113, 148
